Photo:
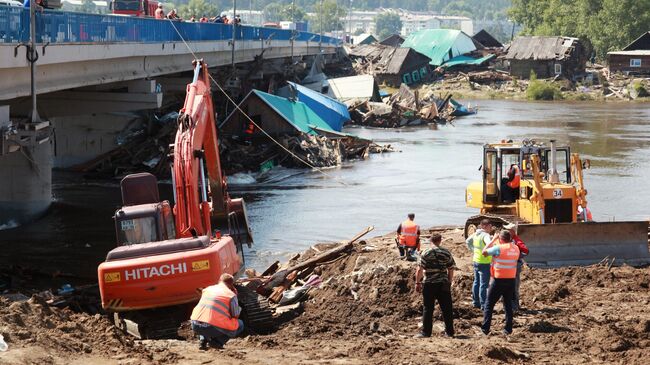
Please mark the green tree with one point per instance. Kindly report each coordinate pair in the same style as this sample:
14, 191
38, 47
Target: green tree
331, 15
87, 6
197, 9
605, 24
273, 12
387, 23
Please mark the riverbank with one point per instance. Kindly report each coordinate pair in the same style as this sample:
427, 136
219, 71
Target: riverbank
367, 311
498, 86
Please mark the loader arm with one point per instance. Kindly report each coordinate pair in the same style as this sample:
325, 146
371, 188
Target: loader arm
537, 198
576, 172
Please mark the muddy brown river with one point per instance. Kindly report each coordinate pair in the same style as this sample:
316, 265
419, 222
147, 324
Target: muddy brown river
291, 209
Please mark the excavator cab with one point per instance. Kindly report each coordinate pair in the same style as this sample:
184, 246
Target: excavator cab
143, 217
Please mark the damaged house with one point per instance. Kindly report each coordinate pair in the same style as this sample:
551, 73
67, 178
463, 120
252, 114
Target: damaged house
393, 40
546, 56
442, 45
392, 65
634, 59
294, 125
352, 88
487, 40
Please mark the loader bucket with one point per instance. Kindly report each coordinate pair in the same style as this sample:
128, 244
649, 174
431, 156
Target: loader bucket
575, 244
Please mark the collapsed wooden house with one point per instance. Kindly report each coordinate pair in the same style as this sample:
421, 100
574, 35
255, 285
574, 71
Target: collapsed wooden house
393, 40
634, 59
546, 56
392, 65
487, 40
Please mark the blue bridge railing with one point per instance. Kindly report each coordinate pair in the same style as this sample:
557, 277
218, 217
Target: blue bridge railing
67, 27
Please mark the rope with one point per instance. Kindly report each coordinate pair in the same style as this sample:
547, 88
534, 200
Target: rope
249, 118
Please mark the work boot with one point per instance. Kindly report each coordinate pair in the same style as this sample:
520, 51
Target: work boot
421, 335
203, 344
216, 344
506, 332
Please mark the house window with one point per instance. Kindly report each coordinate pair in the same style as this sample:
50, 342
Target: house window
416, 76
423, 72
406, 78
558, 68
635, 62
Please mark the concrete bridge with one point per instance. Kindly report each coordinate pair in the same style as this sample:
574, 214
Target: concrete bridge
97, 65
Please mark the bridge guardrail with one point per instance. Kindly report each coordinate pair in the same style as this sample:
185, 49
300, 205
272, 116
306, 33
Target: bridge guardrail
69, 27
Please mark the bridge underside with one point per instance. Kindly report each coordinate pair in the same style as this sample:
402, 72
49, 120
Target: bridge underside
82, 90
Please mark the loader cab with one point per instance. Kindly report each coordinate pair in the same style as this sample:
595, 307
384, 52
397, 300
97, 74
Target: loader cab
143, 217
498, 158
496, 164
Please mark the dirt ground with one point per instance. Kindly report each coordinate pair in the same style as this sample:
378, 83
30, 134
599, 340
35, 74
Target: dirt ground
367, 312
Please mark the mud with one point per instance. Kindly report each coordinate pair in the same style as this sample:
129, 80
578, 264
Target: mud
367, 312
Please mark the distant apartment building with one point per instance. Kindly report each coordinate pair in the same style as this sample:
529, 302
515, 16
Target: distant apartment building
412, 21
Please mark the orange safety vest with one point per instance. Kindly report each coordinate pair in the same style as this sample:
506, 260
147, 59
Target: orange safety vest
504, 266
409, 234
214, 308
514, 184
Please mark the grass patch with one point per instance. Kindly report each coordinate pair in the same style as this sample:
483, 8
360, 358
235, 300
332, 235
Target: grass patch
542, 90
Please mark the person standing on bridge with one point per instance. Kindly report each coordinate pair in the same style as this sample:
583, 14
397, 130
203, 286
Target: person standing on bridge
216, 317
159, 13
476, 242
172, 15
504, 270
433, 279
408, 238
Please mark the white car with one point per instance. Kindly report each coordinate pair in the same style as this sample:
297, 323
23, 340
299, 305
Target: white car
11, 3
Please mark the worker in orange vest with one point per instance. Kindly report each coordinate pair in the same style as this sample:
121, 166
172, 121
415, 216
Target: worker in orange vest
510, 191
159, 13
408, 238
216, 317
504, 272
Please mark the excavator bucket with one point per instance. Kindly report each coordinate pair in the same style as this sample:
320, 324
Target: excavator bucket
238, 222
568, 244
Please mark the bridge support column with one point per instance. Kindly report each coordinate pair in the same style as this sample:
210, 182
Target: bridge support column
25, 170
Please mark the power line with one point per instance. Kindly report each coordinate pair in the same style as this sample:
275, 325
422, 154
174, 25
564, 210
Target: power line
249, 118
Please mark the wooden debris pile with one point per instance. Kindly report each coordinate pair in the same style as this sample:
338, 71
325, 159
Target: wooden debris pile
142, 147
286, 287
404, 108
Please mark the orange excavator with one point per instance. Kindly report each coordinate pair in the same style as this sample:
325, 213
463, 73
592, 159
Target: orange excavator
166, 256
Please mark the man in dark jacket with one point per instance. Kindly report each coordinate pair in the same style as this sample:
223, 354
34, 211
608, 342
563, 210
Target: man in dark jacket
433, 279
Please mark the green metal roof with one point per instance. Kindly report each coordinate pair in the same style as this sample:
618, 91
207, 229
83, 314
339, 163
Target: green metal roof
296, 113
466, 60
440, 45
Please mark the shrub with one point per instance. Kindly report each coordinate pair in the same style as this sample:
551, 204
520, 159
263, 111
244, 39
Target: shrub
640, 89
542, 90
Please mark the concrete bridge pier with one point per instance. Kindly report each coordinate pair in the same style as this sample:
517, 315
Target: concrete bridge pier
25, 170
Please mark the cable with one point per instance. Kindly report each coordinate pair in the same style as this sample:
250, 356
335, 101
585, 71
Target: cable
249, 118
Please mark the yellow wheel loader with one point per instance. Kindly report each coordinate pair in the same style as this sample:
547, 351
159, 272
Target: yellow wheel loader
545, 207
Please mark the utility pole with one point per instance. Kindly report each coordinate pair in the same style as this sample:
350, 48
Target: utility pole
234, 32
350, 22
320, 20
293, 25
32, 58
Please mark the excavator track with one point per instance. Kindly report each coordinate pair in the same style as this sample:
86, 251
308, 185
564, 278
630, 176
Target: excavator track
151, 324
256, 312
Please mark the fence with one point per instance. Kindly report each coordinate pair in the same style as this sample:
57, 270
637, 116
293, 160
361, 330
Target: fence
68, 27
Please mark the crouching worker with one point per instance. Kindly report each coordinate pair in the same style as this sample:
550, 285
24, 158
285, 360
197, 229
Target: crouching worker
216, 318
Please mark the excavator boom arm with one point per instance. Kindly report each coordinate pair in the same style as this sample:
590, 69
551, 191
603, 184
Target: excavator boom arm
195, 151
